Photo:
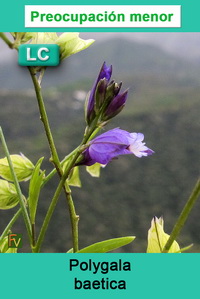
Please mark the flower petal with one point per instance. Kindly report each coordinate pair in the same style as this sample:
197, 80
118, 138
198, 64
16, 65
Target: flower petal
112, 144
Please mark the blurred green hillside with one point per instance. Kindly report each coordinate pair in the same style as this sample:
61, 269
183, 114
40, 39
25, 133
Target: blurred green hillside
127, 58
163, 103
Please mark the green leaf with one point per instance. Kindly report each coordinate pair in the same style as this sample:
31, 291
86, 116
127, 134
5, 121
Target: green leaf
44, 38
157, 238
108, 245
184, 248
74, 179
70, 43
34, 189
71, 250
4, 247
94, 170
8, 195
23, 168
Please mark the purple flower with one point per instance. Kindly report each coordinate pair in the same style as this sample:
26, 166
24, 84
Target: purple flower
105, 72
114, 143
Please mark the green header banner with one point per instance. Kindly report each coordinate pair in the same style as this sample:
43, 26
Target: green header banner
142, 16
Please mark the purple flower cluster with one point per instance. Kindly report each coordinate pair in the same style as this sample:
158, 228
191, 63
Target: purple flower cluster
105, 96
114, 143
105, 101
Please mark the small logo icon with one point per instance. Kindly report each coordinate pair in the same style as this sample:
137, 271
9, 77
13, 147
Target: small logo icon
14, 240
39, 55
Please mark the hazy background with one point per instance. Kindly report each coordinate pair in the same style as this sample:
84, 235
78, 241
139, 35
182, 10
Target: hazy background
162, 71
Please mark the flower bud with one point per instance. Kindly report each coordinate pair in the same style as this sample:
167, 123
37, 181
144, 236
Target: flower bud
104, 99
23, 168
100, 94
8, 195
115, 106
104, 74
110, 91
157, 238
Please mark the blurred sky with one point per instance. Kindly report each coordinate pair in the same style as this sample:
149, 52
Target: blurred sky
184, 44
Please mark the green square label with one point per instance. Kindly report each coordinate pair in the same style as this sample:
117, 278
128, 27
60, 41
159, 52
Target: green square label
39, 55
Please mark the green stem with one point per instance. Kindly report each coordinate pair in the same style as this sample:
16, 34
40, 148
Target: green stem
43, 115
10, 224
53, 172
183, 216
6, 40
33, 234
57, 164
18, 189
55, 159
48, 177
54, 202
54, 155
74, 218
18, 213
48, 217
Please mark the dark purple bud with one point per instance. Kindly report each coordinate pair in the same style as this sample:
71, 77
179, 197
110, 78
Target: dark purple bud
105, 72
116, 105
100, 94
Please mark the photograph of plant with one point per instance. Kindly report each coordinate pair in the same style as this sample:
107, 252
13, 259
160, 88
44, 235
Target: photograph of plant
101, 151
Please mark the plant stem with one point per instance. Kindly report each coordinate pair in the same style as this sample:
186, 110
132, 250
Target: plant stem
53, 172
10, 224
48, 177
55, 159
57, 164
183, 216
6, 40
33, 234
74, 218
48, 218
53, 205
16, 183
63, 184
43, 115
54, 155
